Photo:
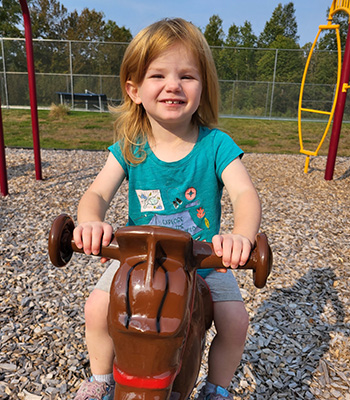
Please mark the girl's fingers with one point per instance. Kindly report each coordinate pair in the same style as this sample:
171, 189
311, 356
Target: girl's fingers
77, 237
107, 235
87, 239
217, 244
96, 238
90, 236
234, 249
245, 254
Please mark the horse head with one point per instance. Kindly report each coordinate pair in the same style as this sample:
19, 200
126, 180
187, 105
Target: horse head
151, 305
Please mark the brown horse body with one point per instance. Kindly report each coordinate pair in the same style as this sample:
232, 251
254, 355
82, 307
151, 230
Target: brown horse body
159, 307
159, 312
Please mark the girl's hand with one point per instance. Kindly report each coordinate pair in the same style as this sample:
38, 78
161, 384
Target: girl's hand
233, 248
90, 235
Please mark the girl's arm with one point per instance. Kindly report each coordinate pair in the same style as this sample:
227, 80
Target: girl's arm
93, 206
236, 246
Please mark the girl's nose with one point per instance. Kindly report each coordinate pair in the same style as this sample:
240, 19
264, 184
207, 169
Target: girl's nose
173, 84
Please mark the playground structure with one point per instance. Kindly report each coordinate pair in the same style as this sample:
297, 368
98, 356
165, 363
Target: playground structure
159, 308
337, 110
33, 107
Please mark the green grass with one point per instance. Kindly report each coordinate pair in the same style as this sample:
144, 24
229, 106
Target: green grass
94, 131
77, 130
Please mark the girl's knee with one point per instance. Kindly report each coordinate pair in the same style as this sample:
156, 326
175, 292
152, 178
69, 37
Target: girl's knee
238, 326
232, 319
96, 309
241, 318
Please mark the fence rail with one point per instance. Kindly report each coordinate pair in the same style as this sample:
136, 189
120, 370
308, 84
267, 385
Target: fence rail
256, 83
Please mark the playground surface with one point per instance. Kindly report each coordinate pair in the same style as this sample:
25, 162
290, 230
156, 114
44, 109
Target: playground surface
299, 338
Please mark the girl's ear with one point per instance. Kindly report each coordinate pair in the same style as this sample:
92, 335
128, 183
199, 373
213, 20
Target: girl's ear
133, 91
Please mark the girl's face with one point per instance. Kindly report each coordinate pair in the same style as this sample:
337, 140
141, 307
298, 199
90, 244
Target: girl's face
171, 89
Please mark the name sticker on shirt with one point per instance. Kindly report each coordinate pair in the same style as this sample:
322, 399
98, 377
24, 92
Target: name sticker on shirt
150, 200
181, 221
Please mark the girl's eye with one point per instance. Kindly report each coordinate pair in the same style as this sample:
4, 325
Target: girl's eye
187, 77
156, 76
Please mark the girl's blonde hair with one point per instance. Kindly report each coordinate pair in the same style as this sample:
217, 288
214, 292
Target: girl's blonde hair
132, 125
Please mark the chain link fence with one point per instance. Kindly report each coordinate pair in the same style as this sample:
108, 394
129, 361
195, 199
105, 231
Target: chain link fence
254, 83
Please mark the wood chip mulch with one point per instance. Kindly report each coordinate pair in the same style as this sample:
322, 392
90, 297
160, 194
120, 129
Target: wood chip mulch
299, 337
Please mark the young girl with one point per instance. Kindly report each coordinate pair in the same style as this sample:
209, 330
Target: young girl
176, 164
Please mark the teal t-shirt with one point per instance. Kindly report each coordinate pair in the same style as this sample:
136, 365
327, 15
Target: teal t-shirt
184, 194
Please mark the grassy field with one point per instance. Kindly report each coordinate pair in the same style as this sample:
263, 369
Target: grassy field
94, 131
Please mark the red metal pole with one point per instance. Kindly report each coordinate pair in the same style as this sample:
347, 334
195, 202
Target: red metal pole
32, 88
3, 173
339, 112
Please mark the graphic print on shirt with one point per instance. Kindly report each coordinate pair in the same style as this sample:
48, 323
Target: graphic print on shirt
190, 193
150, 200
193, 204
181, 221
177, 202
200, 212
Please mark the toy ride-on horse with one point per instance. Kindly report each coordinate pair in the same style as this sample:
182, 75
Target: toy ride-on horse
159, 307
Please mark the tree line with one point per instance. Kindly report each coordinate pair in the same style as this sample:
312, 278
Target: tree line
51, 20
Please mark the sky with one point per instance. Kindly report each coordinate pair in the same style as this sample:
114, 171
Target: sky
136, 14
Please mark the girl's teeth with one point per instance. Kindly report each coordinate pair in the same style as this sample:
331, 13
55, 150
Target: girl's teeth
172, 102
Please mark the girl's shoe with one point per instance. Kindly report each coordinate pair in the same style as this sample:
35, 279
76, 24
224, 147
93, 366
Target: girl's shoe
94, 390
219, 394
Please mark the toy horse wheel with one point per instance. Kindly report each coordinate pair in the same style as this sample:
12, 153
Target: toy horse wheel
61, 234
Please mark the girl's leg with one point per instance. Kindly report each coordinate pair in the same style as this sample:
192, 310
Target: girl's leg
99, 343
231, 321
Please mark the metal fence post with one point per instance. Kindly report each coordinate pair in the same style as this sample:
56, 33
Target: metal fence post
5, 77
233, 95
273, 83
71, 71
267, 98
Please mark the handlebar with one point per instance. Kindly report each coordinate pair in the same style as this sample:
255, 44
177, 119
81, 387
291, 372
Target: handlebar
62, 247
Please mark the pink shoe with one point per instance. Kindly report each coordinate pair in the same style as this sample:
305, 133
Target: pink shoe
94, 390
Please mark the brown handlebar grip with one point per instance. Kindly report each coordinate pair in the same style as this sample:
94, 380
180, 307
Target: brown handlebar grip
62, 246
260, 260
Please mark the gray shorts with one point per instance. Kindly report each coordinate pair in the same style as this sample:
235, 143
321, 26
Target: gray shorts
223, 286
